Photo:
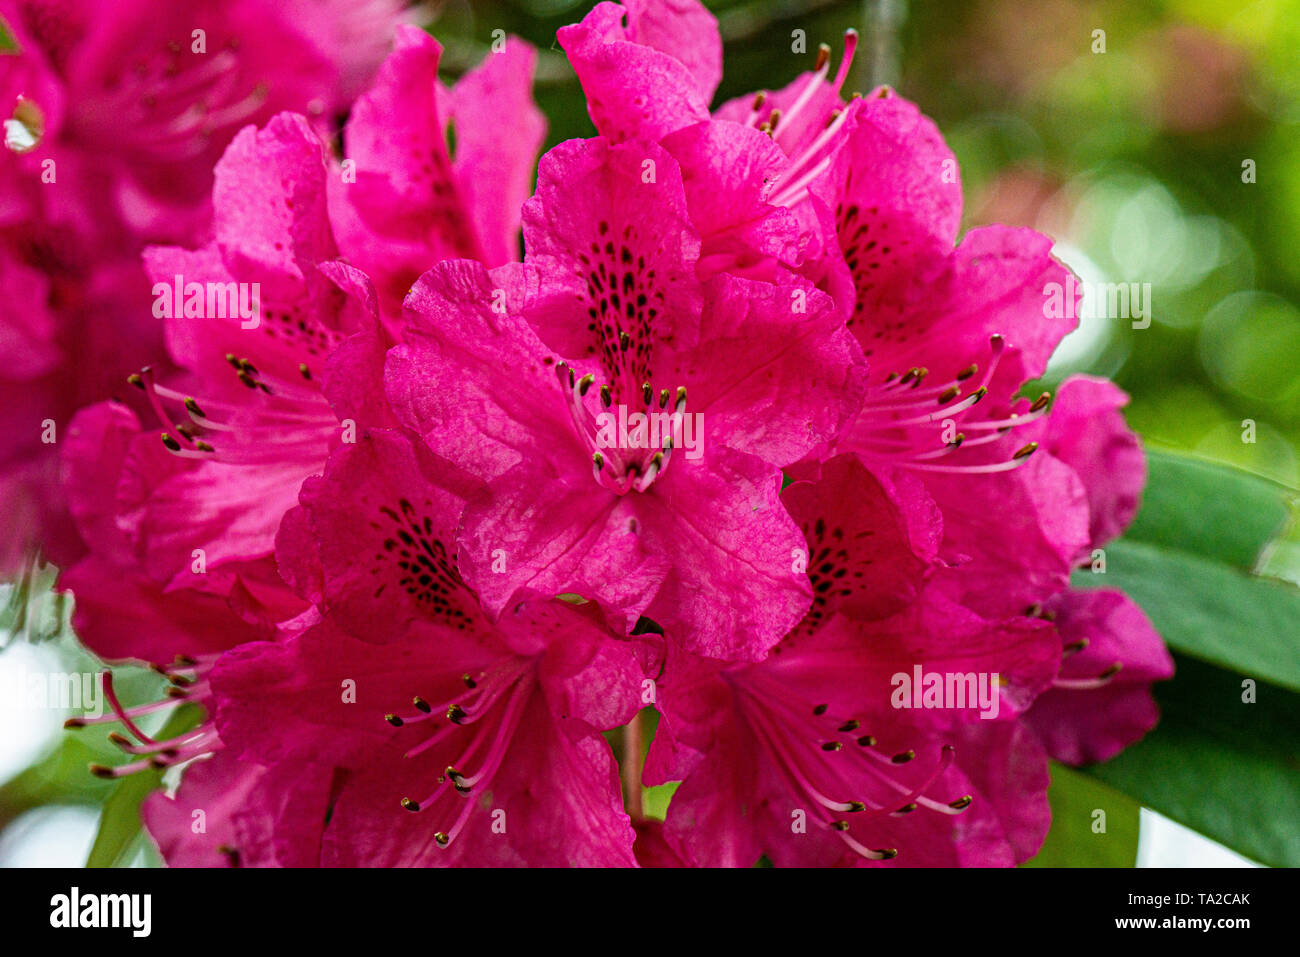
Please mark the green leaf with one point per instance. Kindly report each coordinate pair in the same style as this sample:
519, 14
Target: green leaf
1214, 511
7, 42
1223, 767
1209, 610
655, 799
1072, 842
58, 778
119, 824
1187, 560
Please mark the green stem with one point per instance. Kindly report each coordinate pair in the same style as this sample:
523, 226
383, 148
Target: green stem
632, 767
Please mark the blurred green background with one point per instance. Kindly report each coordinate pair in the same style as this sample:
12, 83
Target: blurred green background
1133, 159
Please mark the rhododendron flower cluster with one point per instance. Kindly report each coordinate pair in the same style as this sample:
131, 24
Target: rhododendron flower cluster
113, 121
712, 417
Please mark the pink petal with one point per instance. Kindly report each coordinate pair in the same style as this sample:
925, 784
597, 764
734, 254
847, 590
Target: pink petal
1086, 430
633, 89
495, 172
1083, 726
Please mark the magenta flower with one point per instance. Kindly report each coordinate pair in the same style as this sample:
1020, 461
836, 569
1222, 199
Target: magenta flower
181, 565
121, 610
267, 395
112, 127
415, 520
608, 303
492, 740
950, 333
124, 614
1101, 701
252, 815
801, 757
154, 95
1013, 529
180, 539
413, 203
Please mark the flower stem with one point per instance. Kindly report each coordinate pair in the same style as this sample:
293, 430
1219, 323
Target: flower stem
632, 767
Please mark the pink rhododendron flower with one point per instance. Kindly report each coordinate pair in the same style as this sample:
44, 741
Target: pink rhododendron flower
123, 614
268, 395
112, 127
492, 738
944, 330
231, 460
921, 312
414, 521
511, 374
181, 536
265, 395
806, 758
122, 610
1013, 528
274, 392
155, 93
1101, 702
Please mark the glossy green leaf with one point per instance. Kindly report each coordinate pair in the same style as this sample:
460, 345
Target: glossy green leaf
58, 778
1092, 824
1223, 766
1210, 510
1209, 610
655, 799
1216, 763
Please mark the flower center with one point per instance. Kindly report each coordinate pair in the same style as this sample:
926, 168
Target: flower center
632, 445
176, 103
